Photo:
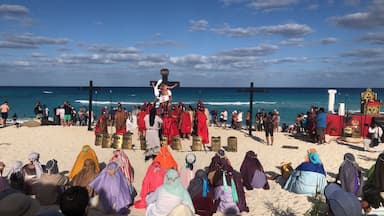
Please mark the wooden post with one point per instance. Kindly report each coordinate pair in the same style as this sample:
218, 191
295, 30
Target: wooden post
250, 109
90, 105
251, 89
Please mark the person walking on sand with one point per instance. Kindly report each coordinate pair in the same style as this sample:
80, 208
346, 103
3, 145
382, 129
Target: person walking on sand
268, 127
4, 112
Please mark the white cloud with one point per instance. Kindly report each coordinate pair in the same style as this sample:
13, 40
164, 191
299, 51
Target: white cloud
262, 50
292, 42
109, 49
372, 18
268, 5
364, 53
286, 30
30, 41
13, 10
375, 38
198, 25
158, 44
286, 60
328, 40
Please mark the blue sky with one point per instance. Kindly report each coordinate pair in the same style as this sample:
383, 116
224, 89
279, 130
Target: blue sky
220, 43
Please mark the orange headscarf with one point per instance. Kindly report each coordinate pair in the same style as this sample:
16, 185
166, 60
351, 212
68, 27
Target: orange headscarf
86, 153
166, 159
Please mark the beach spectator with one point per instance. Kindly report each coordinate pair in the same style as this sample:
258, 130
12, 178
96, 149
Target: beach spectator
350, 175
376, 133
374, 186
276, 120
50, 185
122, 160
321, 124
86, 175
102, 122
248, 119
2, 166
308, 177
340, 202
298, 123
86, 153
15, 168
188, 172
152, 124
201, 194
259, 120
112, 188
228, 187
74, 201
32, 172
154, 178
252, 172
67, 114
14, 203
4, 108
168, 196
234, 120
239, 121
38, 110
214, 117
268, 127
166, 159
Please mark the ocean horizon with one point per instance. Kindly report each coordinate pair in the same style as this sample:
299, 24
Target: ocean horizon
288, 101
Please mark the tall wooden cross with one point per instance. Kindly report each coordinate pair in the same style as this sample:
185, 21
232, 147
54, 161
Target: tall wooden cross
251, 90
164, 72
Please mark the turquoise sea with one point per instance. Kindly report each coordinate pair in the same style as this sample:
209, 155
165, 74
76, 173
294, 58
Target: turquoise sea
288, 101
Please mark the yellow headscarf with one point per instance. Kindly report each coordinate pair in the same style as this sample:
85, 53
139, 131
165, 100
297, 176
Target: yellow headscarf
86, 153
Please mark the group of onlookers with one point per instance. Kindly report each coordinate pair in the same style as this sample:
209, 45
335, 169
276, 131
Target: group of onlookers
172, 189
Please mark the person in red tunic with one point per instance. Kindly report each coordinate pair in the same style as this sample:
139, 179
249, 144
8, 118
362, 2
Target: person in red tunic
174, 122
185, 123
141, 122
202, 127
102, 122
166, 127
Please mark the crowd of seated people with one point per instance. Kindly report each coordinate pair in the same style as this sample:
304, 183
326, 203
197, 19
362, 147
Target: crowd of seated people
169, 190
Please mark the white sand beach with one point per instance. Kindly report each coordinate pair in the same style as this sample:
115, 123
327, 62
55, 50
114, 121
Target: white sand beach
64, 143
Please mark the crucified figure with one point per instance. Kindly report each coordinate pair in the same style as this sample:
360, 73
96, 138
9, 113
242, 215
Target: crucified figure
163, 92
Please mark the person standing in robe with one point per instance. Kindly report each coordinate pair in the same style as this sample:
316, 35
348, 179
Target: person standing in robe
185, 124
120, 120
102, 122
152, 124
202, 127
350, 174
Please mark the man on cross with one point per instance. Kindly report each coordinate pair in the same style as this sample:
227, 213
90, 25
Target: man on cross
162, 88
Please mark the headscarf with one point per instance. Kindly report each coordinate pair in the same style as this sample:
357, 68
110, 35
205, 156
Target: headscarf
122, 160
154, 177
379, 172
113, 190
250, 164
349, 174
86, 175
314, 158
166, 159
152, 115
187, 173
16, 167
52, 167
86, 153
172, 185
34, 158
199, 184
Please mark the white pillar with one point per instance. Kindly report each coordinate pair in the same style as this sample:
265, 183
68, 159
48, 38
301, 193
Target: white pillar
331, 100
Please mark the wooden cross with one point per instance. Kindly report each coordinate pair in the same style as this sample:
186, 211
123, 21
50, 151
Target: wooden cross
251, 90
164, 76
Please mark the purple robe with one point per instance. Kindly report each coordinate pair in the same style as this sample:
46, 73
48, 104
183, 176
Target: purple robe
114, 193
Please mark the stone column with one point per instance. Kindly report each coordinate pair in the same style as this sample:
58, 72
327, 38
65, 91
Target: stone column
331, 100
